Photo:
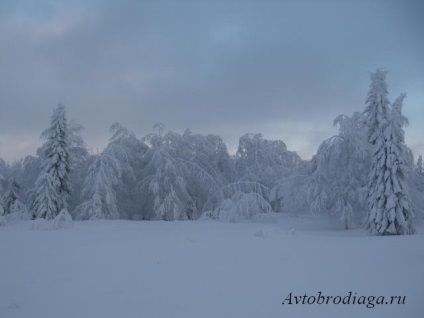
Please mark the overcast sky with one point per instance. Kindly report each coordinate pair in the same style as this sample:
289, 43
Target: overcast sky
282, 68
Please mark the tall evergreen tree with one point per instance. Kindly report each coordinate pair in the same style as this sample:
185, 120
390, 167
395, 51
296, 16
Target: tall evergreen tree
377, 108
388, 207
54, 180
376, 119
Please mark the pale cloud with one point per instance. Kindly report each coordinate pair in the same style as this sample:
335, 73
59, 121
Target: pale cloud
284, 68
45, 30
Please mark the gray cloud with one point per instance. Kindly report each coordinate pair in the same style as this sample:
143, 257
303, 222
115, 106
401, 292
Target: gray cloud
283, 68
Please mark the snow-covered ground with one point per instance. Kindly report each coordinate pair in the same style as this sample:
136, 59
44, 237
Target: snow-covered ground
204, 269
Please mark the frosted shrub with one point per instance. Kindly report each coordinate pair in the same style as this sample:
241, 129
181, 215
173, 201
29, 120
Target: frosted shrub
241, 207
18, 212
62, 221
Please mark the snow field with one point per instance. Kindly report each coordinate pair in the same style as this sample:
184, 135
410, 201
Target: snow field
204, 269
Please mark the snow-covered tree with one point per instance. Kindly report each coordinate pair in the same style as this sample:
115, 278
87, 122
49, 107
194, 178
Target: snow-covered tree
416, 187
263, 160
56, 164
110, 174
78, 152
46, 199
11, 196
204, 163
389, 208
77, 157
238, 201
420, 169
398, 205
339, 174
103, 175
19, 208
78, 163
396, 123
377, 108
290, 194
127, 146
27, 175
209, 152
376, 119
163, 186
240, 207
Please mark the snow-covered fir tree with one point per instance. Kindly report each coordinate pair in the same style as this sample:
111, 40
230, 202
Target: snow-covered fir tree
389, 209
55, 168
399, 207
377, 108
11, 196
78, 156
416, 188
376, 119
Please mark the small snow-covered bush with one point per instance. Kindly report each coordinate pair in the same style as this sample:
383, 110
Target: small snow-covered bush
2, 221
18, 212
62, 221
17, 217
41, 224
240, 207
